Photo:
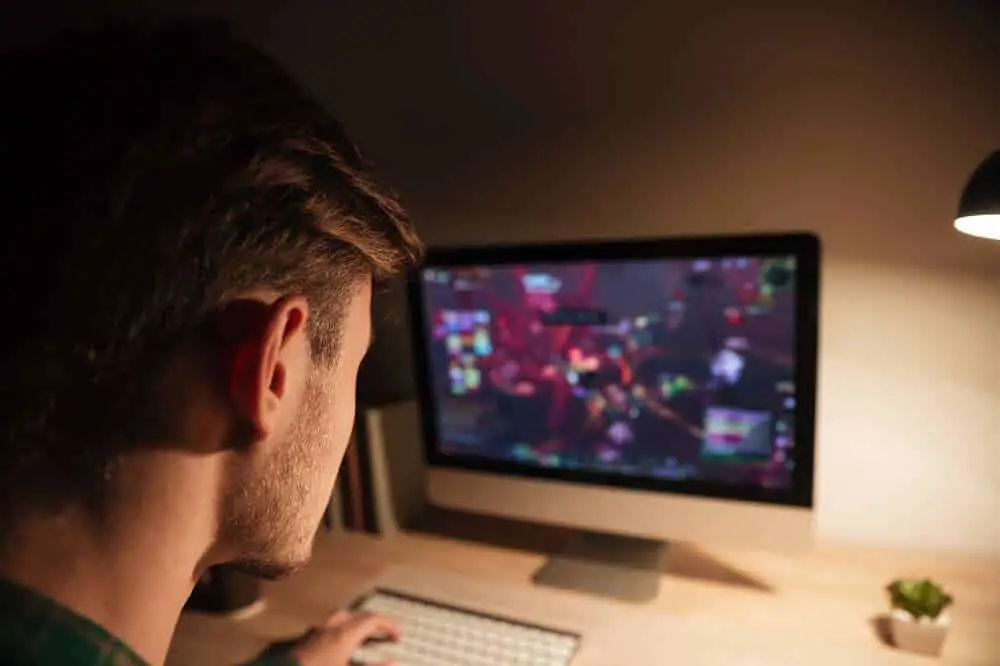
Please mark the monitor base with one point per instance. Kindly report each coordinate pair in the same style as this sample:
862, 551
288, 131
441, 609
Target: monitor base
607, 565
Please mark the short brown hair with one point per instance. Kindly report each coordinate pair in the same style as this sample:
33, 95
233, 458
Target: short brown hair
150, 174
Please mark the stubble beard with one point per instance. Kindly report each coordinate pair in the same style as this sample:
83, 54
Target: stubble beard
268, 517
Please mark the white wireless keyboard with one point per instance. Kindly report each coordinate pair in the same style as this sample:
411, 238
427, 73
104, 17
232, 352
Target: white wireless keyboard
436, 634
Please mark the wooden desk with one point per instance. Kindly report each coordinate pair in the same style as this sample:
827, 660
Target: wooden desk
818, 610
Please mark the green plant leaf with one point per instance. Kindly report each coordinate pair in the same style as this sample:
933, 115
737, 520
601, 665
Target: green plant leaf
920, 598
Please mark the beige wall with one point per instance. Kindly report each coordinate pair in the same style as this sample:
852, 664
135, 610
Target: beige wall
861, 125
565, 118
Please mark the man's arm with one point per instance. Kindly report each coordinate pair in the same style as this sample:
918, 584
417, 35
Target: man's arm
329, 644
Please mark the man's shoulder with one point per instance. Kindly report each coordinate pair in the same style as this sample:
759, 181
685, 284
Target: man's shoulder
37, 631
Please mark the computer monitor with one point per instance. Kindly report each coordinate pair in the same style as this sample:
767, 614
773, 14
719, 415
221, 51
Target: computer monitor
638, 391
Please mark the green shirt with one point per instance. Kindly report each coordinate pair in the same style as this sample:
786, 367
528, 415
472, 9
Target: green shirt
37, 631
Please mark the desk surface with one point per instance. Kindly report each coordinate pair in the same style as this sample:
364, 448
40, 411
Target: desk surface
730, 608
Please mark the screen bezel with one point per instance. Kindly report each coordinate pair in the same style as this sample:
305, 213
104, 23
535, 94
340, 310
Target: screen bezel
805, 247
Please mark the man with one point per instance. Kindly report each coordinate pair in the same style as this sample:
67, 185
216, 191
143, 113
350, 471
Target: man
189, 248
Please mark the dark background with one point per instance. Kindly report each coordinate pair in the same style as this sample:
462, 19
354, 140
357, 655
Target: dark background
548, 119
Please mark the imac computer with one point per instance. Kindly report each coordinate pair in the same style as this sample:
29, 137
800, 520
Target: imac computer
637, 391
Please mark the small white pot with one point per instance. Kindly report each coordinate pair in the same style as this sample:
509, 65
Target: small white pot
923, 636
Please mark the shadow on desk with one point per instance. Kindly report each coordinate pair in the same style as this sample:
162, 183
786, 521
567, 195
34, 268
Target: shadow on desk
683, 561
880, 627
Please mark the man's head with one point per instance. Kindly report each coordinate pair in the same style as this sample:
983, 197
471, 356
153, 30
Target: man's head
190, 244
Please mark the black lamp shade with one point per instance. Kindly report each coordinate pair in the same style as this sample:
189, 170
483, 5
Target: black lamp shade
979, 208
982, 195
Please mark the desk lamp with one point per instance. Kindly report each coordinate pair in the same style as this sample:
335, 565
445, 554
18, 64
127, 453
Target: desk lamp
979, 209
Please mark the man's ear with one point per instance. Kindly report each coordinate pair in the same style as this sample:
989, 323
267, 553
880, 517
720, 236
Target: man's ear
266, 344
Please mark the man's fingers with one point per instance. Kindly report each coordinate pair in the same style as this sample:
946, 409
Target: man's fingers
338, 618
364, 626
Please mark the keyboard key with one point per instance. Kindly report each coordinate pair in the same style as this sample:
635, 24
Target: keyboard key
434, 634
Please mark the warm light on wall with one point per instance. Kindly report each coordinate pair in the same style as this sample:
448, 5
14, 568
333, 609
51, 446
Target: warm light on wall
979, 209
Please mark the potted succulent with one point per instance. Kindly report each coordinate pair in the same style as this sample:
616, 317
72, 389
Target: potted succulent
918, 621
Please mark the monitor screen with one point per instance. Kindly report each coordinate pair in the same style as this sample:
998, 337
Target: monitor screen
664, 370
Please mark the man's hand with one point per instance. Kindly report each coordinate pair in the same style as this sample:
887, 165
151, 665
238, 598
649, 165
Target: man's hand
333, 642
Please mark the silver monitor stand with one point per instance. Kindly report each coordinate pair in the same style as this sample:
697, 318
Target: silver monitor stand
607, 565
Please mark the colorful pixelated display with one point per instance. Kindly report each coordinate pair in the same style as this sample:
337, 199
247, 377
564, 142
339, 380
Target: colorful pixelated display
669, 369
